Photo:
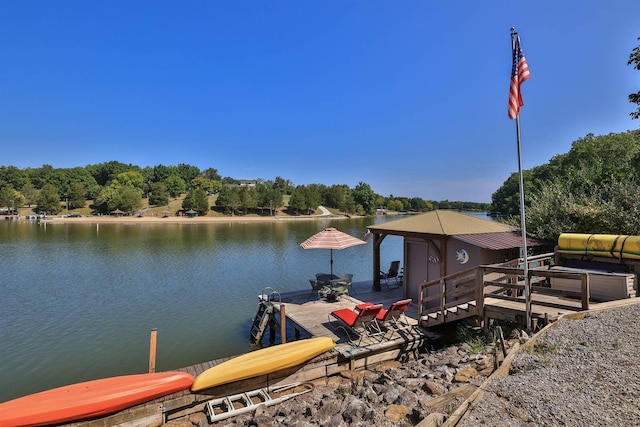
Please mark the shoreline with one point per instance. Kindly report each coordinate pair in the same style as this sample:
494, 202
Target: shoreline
180, 219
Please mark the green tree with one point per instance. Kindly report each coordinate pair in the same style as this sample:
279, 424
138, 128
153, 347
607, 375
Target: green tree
248, 199
365, 197
335, 196
49, 200
132, 179
188, 173
130, 198
313, 198
269, 197
104, 173
634, 98
175, 185
284, 185
11, 175
212, 174
76, 195
197, 200
10, 197
298, 199
201, 182
159, 195
29, 192
229, 199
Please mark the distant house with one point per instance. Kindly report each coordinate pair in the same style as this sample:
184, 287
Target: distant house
251, 183
444, 242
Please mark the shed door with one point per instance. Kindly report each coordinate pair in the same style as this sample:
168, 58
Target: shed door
416, 273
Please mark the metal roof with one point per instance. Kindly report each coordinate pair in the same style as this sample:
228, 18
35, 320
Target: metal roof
441, 222
497, 241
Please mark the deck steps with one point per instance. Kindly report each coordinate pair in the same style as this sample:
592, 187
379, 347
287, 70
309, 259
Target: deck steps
449, 314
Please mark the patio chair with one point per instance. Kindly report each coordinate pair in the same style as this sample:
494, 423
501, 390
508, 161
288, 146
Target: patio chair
394, 315
318, 288
360, 322
392, 273
342, 287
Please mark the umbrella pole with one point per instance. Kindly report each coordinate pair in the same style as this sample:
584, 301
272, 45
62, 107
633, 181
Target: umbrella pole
331, 263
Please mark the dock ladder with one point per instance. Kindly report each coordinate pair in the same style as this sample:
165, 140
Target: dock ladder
264, 314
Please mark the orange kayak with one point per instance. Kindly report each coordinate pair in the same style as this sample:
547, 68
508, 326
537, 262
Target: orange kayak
90, 399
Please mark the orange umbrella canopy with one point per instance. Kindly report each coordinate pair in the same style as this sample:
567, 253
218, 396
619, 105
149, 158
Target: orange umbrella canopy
331, 238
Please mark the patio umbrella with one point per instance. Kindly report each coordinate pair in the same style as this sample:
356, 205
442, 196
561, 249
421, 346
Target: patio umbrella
331, 238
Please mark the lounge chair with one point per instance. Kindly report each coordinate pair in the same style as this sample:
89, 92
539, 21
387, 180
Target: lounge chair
392, 273
361, 322
393, 316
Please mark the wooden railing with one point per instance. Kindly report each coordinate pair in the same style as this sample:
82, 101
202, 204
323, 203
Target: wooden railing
501, 281
449, 291
510, 284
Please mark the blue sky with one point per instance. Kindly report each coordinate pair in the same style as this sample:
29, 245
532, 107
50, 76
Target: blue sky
407, 96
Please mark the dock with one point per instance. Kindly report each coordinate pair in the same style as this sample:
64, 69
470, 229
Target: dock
305, 316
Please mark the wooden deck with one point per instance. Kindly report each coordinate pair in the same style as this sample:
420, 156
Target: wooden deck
311, 316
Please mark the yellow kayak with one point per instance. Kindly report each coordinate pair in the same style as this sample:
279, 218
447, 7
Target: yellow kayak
604, 245
263, 361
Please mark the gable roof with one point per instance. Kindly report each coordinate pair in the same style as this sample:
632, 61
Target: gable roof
441, 222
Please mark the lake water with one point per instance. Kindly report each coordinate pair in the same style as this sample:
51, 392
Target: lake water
79, 300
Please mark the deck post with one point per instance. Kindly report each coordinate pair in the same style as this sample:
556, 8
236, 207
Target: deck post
272, 330
480, 291
585, 291
152, 350
443, 290
283, 325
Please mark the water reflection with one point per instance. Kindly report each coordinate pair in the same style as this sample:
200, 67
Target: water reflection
79, 300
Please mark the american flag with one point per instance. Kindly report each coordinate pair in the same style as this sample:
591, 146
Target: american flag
519, 74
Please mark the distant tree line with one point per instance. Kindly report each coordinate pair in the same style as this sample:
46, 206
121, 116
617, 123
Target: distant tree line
593, 188
114, 186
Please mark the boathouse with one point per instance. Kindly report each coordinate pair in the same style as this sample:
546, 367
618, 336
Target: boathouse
443, 242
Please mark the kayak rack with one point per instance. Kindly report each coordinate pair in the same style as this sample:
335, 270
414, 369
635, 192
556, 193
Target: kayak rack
241, 403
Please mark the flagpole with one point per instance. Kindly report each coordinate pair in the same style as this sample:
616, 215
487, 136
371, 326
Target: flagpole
527, 285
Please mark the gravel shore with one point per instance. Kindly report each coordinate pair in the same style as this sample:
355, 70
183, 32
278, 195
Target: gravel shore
580, 373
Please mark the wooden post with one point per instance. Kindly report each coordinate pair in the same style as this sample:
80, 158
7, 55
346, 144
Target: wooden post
502, 343
443, 289
152, 350
272, 330
585, 291
283, 325
480, 291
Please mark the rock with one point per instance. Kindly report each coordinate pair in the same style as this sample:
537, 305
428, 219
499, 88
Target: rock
434, 388
186, 422
384, 366
408, 398
354, 411
369, 395
465, 374
392, 394
395, 413
353, 375
328, 408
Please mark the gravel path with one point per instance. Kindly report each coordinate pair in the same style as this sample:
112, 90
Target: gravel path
580, 373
